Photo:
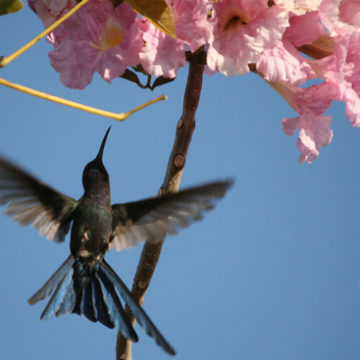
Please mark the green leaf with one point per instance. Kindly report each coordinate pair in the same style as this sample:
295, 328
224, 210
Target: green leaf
157, 11
10, 6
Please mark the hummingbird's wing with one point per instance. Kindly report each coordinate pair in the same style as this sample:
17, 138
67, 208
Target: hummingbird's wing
32, 202
151, 219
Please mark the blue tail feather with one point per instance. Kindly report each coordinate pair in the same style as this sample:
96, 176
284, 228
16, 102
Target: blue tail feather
116, 310
135, 308
93, 291
101, 307
69, 299
53, 282
87, 303
59, 295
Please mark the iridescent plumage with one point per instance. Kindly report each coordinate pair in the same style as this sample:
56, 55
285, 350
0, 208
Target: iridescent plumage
85, 283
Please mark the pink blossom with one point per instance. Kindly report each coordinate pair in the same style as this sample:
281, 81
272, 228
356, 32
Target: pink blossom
342, 70
98, 38
340, 16
160, 55
49, 11
314, 128
243, 29
101, 38
285, 63
314, 132
299, 7
349, 12
191, 21
304, 29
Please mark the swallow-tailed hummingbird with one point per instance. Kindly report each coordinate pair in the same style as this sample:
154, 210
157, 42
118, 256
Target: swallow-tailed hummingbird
85, 283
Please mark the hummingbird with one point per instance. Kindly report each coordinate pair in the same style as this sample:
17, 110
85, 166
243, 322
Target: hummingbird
85, 284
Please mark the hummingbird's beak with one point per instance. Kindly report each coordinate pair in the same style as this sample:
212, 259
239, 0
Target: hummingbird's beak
101, 150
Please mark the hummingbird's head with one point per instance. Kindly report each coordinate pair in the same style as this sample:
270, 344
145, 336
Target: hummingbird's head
95, 175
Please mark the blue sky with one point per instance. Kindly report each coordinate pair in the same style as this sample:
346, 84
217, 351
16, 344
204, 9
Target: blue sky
272, 273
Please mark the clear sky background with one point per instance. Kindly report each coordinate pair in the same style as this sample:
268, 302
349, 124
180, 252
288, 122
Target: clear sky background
272, 273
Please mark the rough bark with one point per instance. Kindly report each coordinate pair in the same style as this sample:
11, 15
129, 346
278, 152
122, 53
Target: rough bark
185, 127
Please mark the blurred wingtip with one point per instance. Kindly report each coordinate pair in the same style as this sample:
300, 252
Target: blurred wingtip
229, 181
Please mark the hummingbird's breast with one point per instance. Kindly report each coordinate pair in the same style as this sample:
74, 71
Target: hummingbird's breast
91, 231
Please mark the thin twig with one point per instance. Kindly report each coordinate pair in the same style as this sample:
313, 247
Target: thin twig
90, 109
8, 59
184, 130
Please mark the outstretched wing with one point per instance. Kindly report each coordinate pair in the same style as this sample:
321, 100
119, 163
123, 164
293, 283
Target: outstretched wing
31, 202
153, 218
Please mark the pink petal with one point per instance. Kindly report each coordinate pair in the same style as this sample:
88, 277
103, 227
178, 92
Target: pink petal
161, 55
75, 71
243, 29
191, 22
284, 62
97, 38
304, 29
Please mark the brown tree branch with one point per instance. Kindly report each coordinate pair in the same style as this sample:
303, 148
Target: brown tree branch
185, 127
320, 48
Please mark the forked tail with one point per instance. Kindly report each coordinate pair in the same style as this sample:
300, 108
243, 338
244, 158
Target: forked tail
94, 292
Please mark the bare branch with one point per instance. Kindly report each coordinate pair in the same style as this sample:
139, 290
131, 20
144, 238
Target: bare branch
185, 127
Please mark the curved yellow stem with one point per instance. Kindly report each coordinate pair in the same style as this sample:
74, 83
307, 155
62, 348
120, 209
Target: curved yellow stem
116, 116
8, 59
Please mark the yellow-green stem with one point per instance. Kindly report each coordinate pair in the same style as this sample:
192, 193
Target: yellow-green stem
117, 116
8, 59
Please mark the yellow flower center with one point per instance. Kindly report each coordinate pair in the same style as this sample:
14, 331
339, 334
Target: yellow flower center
235, 19
112, 35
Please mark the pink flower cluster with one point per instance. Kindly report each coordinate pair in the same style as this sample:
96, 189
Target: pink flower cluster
266, 35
